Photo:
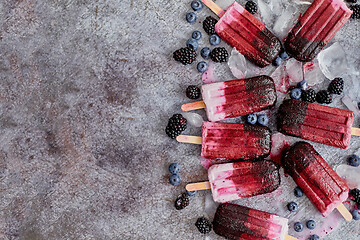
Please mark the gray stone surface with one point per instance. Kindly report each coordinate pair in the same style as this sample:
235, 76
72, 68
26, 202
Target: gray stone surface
86, 90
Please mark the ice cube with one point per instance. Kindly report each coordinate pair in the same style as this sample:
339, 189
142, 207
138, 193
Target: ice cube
237, 64
294, 70
285, 21
350, 174
332, 61
350, 104
281, 79
193, 119
312, 73
266, 14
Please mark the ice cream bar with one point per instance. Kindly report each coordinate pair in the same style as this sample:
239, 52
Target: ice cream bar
317, 123
325, 189
240, 29
234, 141
238, 222
238, 97
231, 181
315, 28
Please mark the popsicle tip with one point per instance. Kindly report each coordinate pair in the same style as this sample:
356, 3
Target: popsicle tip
344, 212
288, 237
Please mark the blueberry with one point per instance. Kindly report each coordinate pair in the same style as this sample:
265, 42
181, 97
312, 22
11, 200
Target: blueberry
174, 168
303, 85
263, 120
196, 5
311, 224
205, 52
314, 237
175, 179
251, 118
354, 160
292, 206
298, 192
202, 66
295, 93
355, 213
298, 227
284, 55
196, 35
192, 43
191, 17
191, 193
277, 62
214, 39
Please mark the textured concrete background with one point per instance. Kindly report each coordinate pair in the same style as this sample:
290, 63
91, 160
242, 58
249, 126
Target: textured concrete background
86, 90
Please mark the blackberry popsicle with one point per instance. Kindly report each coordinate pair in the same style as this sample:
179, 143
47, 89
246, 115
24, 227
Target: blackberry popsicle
226, 142
316, 28
231, 181
235, 98
233, 221
240, 29
320, 183
317, 123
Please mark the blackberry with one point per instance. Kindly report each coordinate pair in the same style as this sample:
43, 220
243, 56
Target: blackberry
219, 54
203, 225
182, 201
172, 133
177, 122
355, 193
209, 25
185, 55
323, 96
336, 86
251, 7
351, 1
356, 11
308, 95
193, 92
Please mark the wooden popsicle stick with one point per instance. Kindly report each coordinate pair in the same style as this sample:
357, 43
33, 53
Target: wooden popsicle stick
288, 237
189, 139
214, 7
193, 106
344, 212
355, 131
198, 186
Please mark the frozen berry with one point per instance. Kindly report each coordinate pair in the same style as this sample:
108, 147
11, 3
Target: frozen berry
354, 160
203, 225
292, 206
323, 96
298, 192
171, 132
263, 119
277, 61
192, 43
303, 85
185, 55
202, 66
356, 11
314, 237
196, 35
209, 25
182, 201
336, 86
191, 193
251, 118
174, 179
191, 17
284, 55
205, 52
311, 224
251, 7
298, 227
178, 122
356, 214
308, 95
355, 195
196, 5
295, 93
214, 40
174, 168
219, 54
193, 92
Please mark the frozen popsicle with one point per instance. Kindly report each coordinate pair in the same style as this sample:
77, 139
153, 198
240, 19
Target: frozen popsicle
317, 123
240, 29
235, 98
325, 189
315, 28
231, 141
231, 181
233, 221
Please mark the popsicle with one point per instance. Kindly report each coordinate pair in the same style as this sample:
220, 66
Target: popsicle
235, 98
231, 141
317, 123
325, 189
233, 221
240, 29
316, 28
